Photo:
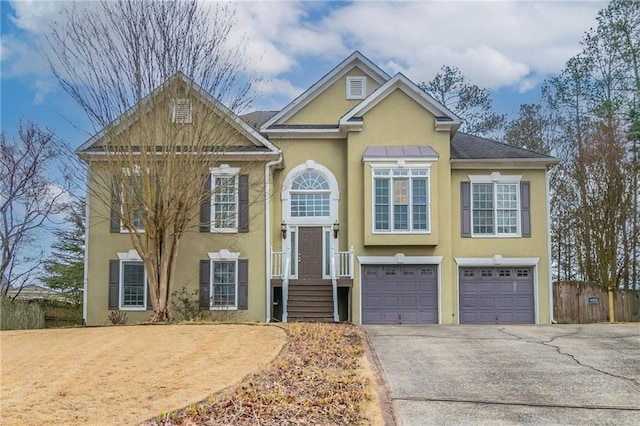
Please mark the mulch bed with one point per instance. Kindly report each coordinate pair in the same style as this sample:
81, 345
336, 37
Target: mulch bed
317, 379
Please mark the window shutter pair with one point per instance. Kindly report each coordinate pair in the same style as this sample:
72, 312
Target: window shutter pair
465, 208
114, 286
243, 284
243, 205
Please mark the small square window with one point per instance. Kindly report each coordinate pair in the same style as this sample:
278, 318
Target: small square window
522, 273
356, 87
486, 272
468, 272
504, 272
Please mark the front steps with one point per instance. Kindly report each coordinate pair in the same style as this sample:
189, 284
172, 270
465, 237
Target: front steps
310, 300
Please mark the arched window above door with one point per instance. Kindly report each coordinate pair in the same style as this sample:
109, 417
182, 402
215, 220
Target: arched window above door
310, 195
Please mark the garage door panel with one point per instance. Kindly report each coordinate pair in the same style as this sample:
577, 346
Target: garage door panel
496, 295
399, 294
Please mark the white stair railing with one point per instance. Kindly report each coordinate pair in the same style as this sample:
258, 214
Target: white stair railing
334, 282
345, 264
285, 289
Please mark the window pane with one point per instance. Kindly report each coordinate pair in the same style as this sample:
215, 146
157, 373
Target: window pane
506, 197
381, 188
400, 218
133, 283
224, 284
507, 221
400, 191
310, 181
310, 205
225, 202
419, 209
483, 209
294, 252
327, 253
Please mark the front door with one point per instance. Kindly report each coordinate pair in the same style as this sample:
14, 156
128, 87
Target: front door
310, 253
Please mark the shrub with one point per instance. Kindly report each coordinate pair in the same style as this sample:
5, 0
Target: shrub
117, 317
187, 304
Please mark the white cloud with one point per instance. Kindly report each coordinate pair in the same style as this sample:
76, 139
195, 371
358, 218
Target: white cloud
277, 87
42, 88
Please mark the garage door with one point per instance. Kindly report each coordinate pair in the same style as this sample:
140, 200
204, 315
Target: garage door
496, 296
399, 294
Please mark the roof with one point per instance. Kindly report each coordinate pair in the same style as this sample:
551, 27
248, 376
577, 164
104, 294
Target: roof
468, 147
394, 152
256, 118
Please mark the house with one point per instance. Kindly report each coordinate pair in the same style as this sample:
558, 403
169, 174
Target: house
368, 205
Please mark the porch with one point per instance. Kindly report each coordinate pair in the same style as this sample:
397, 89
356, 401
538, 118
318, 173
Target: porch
299, 297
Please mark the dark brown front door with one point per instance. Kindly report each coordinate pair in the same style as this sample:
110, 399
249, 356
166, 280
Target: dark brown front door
310, 253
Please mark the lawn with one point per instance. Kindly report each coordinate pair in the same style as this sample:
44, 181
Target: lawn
126, 374
190, 374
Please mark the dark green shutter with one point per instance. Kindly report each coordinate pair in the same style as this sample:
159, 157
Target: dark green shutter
525, 208
465, 208
243, 284
114, 283
243, 204
205, 287
205, 207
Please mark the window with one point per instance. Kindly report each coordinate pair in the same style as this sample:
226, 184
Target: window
181, 111
133, 285
401, 200
310, 196
224, 284
356, 87
495, 208
224, 199
132, 207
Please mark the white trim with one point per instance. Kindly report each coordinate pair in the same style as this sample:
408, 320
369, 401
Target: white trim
334, 196
131, 260
356, 59
223, 254
402, 259
85, 278
224, 171
410, 176
549, 276
402, 83
267, 233
497, 261
131, 255
495, 177
363, 87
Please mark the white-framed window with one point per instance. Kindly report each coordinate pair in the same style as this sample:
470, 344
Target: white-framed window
133, 285
310, 195
401, 200
224, 280
224, 199
495, 205
181, 112
131, 200
356, 87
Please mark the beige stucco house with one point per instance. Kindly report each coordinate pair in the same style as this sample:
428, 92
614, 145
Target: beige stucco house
368, 206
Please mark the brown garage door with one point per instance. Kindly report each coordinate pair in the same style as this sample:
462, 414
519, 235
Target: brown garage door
496, 296
397, 294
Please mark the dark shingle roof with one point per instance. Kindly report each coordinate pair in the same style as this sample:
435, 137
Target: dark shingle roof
255, 119
469, 147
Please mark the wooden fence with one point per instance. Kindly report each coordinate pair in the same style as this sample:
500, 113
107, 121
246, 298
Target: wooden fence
583, 303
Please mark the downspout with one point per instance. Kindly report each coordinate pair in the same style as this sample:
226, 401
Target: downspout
85, 278
547, 185
267, 230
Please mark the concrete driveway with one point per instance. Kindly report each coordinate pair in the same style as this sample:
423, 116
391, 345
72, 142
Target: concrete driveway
559, 374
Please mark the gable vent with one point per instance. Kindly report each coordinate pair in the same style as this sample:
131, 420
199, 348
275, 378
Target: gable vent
181, 111
356, 87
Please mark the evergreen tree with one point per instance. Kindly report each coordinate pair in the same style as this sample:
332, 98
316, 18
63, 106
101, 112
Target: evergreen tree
64, 270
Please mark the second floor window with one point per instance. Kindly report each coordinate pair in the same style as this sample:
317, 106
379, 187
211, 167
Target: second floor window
495, 208
401, 200
310, 196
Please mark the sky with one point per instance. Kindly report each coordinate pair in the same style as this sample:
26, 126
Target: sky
507, 46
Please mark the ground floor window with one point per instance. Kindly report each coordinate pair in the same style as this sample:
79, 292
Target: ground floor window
133, 285
224, 284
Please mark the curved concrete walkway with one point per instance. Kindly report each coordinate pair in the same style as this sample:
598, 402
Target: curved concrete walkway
559, 374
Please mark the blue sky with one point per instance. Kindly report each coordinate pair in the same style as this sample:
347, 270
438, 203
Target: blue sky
509, 47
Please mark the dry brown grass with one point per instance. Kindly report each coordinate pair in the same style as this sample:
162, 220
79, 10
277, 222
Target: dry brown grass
321, 377
124, 375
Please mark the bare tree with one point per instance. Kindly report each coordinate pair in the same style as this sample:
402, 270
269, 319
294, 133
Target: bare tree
28, 197
470, 102
153, 77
